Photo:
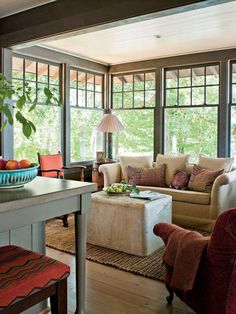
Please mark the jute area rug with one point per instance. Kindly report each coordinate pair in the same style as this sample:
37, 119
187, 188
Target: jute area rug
62, 239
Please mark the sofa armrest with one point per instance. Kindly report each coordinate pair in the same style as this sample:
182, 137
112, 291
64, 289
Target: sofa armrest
111, 173
223, 194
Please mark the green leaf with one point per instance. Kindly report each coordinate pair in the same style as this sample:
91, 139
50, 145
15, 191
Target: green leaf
32, 107
22, 95
3, 125
33, 127
27, 129
28, 98
8, 114
20, 103
20, 117
47, 92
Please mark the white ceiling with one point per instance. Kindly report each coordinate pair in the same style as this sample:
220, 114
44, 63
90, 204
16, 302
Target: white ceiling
204, 29
9, 7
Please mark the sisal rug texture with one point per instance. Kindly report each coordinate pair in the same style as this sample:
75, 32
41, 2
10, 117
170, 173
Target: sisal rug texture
62, 239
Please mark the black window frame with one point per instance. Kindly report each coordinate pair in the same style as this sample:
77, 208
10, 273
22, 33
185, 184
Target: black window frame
191, 86
133, 73
122, 92
85, 107
231, 103
86, 90
59, 86
36, 81
231, 83
191, 106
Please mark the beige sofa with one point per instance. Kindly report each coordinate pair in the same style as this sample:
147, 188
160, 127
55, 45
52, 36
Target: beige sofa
190, 209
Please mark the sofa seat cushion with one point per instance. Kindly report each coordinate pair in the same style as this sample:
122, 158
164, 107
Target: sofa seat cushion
182, 195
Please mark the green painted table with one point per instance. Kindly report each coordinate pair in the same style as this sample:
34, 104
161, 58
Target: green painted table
27, 208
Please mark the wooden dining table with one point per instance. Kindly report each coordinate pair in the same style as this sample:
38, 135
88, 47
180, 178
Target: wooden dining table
24, 210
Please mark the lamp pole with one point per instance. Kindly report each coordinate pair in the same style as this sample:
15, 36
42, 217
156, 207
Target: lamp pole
109, 145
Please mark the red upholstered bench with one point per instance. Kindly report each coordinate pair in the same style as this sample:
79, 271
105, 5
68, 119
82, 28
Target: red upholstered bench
27, 278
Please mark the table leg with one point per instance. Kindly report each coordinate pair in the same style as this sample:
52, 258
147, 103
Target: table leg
80, 259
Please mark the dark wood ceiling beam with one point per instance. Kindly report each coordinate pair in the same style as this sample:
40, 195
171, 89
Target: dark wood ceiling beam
64, 16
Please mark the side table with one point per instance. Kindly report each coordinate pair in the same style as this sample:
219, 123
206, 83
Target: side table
97, 177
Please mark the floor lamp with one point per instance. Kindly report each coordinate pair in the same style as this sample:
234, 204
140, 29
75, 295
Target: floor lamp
109, 124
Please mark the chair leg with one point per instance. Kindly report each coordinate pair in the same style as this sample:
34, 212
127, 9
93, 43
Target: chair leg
58, 301
170, 297
65, 221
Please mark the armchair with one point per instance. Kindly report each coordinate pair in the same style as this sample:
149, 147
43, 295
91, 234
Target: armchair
52, 166
214, 289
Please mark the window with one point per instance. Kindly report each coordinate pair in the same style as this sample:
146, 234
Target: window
233, 108
86, 110
133, 91
191, 102
47, 118
133, 101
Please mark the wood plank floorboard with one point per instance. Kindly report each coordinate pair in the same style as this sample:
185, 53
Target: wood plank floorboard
113, 291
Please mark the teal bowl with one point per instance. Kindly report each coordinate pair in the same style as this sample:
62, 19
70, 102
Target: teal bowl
18, 177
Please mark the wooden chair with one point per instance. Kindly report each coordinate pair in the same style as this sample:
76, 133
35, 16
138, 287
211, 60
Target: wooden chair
27, 278
52, 166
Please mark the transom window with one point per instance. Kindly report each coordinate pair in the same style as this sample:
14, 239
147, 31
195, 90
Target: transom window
233, 83
192, 86
37, 75
135, 90
86, 89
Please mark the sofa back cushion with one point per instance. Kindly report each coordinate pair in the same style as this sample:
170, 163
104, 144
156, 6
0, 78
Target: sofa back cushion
201, 179
173, 164
147, 176
215, 163
134, 161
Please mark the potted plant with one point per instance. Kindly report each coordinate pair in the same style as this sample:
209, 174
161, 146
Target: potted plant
14, 100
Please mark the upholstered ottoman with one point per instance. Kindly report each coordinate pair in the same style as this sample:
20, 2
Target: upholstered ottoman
126, 224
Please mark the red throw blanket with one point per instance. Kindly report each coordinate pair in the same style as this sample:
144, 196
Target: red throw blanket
183, 253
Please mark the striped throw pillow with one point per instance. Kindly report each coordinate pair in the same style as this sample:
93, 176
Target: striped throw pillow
147, 176
202, 180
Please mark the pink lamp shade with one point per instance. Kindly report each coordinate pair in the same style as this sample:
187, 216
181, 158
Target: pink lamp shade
110, 123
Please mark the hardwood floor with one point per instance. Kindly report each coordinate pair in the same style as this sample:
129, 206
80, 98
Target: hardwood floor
112, 291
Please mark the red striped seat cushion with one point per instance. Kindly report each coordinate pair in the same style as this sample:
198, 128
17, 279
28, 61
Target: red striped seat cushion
24, 272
